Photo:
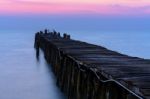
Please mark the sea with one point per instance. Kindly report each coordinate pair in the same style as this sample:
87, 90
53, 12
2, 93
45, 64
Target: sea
22, 76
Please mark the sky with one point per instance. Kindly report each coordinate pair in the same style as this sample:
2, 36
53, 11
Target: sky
90, 17
97, 7
112, 15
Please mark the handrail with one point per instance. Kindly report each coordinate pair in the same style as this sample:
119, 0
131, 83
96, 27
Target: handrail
114, 81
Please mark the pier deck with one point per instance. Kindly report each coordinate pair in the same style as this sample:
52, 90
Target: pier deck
88, 71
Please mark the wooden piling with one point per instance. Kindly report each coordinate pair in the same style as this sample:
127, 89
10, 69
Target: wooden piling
87, 71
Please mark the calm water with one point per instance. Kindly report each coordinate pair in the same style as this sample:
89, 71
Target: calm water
23, 77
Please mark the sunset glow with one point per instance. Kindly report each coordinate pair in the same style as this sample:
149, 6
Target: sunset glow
107, 7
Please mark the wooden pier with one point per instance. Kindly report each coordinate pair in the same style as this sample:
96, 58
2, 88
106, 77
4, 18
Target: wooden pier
87, 71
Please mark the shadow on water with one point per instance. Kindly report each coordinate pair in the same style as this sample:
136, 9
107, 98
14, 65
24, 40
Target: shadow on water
39, 55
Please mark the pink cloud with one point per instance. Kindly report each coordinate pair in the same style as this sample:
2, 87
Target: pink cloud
24, 7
